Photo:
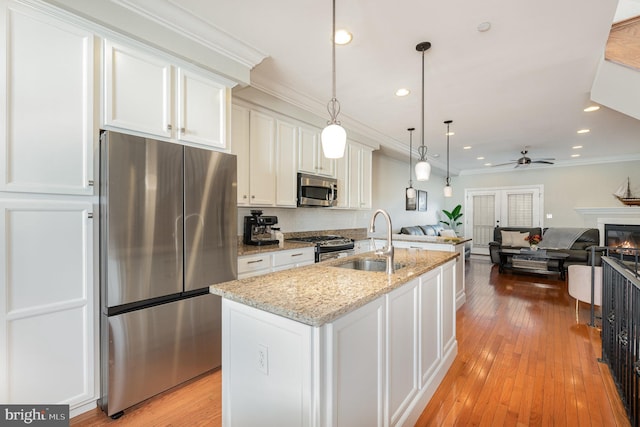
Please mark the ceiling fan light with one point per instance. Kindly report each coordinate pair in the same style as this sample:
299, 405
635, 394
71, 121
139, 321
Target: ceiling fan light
448, 191
423, 170
334, 141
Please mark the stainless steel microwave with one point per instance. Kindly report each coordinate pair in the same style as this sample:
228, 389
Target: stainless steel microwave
317, 191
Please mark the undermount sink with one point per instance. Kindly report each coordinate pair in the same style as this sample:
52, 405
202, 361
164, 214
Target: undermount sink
369, 264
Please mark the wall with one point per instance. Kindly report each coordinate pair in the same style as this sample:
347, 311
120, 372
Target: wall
390, 178
565, 188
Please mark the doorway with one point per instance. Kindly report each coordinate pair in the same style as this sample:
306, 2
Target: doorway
487, 208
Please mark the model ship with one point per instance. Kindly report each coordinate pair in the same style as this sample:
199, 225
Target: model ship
626, 196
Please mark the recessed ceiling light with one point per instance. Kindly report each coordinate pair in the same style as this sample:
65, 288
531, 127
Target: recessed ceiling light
575, 147
480, 158
484, 26
436, 155
487, 164
591, 108
343, 37
466, 147
402, 92
575, 155
584, 131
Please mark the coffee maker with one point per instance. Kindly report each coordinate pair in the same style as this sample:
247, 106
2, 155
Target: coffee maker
257, 229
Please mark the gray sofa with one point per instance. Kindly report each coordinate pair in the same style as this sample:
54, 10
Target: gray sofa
579, 252
422, 230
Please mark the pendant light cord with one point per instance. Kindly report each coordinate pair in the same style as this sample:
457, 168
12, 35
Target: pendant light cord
410, 150
448, 122
333, 107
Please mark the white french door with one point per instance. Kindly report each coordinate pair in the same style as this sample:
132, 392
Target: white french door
505, 207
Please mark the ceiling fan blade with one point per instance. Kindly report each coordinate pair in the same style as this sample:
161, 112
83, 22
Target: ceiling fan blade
546, 158
542, 161
503, 164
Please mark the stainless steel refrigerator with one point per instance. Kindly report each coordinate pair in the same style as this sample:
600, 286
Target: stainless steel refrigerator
168, 230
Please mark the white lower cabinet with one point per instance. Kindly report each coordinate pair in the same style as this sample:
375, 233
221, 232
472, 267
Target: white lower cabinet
258, 264
446, 247
48, 304
378, 365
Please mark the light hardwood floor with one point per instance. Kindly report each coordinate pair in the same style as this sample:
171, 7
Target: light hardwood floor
523, 359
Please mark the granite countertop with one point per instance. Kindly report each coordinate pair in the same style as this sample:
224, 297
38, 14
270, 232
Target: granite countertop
425, 239
320, 293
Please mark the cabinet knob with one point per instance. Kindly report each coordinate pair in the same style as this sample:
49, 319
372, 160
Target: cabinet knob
90, 183
181, 130
90, 215
169, 127
253, 197
244, 197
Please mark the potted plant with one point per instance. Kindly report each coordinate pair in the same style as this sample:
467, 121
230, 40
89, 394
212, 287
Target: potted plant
453, 217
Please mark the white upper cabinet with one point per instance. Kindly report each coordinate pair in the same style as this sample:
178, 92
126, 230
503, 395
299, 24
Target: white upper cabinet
253, 140
137, 90
201, 110
46, 112
286, 163
359, 188
310, 156
148, 93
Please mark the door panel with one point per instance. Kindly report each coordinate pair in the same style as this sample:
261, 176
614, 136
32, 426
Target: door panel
505, 207
143, 187
210, 218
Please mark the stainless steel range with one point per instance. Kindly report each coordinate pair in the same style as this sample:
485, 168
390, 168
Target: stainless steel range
328, 247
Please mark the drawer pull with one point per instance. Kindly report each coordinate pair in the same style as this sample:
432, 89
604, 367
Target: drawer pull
299, 254
255, 261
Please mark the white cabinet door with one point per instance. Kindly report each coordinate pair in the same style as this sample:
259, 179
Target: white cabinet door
365, 178
202, 107
240, 147
46, 112
138, 90
402, 348
448, 307
48, 352
262, 159
308, 150
357, 347
286, 164
311, 158
430, 324
360, 159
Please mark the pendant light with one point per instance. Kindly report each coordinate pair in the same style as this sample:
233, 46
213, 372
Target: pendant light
411, 192
448, 190
423, 168
334, 137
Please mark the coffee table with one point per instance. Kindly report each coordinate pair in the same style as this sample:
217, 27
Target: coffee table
532, 261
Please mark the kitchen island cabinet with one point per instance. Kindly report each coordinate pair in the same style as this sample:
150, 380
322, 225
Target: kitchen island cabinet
327, 346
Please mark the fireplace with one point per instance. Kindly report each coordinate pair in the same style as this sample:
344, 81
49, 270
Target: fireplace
622, 236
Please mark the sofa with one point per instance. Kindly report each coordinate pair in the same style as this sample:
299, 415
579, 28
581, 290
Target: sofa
579, 252
433, 230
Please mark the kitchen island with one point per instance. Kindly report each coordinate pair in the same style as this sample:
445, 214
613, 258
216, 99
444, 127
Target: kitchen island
326, 346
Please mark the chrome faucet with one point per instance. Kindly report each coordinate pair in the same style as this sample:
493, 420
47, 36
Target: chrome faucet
387, 251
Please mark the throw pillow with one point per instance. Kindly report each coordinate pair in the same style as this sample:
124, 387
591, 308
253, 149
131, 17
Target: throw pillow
514, 239
448, 233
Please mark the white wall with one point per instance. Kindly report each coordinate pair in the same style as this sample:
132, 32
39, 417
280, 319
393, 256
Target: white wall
565, 188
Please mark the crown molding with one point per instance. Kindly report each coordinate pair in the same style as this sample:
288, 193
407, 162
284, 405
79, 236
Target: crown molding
170, 15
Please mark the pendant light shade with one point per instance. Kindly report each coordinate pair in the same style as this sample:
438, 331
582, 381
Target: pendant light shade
411, 192
334, 141
423, 168
448, 190
333, 137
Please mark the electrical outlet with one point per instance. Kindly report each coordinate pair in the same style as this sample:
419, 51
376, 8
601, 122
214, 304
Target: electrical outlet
263, 359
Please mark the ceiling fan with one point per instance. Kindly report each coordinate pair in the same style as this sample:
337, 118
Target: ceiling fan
525, 161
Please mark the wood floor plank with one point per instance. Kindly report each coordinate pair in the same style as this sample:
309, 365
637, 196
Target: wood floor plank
523, 360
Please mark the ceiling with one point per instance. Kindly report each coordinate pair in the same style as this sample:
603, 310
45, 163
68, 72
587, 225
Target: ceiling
523, 83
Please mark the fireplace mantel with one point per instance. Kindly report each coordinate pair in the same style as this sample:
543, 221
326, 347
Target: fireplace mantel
620, 210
